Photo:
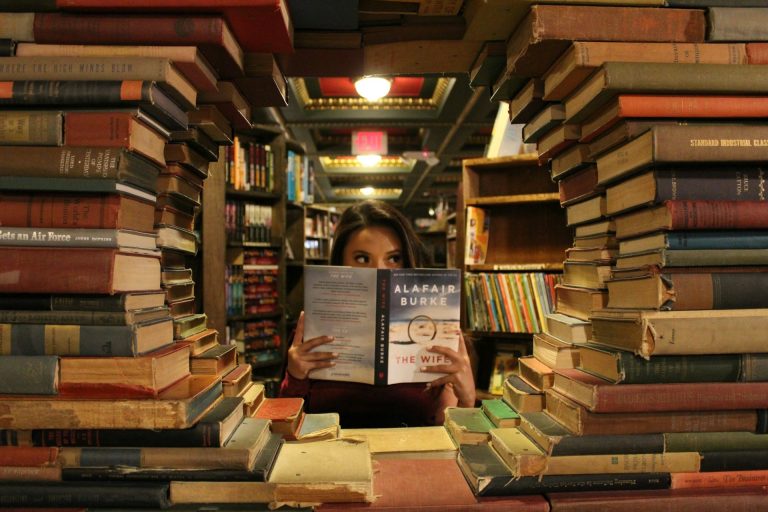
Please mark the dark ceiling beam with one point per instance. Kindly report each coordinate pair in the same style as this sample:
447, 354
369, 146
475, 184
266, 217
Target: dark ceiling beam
477, 95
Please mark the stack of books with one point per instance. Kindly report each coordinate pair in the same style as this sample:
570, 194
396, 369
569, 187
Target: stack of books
112, 384
651, 122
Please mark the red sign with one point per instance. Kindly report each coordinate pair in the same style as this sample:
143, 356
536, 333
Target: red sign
369, 143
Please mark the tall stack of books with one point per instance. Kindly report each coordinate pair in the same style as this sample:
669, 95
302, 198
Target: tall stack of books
108, 370
655, 147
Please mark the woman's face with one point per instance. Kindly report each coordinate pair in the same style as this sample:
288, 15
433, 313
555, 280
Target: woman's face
374, 247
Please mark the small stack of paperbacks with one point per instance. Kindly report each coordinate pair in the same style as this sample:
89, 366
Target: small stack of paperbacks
651, 388
112, 384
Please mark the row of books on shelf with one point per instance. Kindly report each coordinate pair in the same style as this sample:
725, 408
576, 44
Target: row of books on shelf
509, 301
247, 222
299, 177
250, 166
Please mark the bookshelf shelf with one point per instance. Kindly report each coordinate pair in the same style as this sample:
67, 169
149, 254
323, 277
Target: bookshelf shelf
518, 258
523, 198
527, 267
253, 194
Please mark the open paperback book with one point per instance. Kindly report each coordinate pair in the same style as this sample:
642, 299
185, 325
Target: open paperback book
383, 320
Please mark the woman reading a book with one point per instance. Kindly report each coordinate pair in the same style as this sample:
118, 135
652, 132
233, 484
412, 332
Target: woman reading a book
373, 234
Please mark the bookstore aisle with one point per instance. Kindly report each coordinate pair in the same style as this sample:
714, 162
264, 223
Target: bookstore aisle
629, 253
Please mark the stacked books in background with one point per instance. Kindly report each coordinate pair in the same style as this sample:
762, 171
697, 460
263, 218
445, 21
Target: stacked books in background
656, 386
112, 384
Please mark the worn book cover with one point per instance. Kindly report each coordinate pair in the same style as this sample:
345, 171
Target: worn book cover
383, 320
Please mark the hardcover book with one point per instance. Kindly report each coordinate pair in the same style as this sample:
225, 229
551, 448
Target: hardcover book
692, 143
383, 320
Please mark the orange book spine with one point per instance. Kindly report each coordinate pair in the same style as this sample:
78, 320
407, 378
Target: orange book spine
686, 214
641, 105
719, 479
29, 456
757, 53
99, 129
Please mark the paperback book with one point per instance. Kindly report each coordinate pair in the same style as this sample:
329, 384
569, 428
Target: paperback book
383, 321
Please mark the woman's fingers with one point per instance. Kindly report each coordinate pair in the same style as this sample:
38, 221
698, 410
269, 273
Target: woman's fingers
298, 335
315, 342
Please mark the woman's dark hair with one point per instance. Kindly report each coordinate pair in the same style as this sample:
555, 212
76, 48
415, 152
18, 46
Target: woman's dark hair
378, 213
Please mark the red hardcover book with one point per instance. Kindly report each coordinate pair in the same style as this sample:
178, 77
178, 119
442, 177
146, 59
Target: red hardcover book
679, 214
600, 395
720, 479
679, 500
672, 106
579, 185
28, 456
210, 34
259, 25
76, 210
285, 413
114, 129
75, 270
757, 53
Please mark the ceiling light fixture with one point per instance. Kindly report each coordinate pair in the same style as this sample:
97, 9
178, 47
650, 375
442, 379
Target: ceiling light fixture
373, 88
369, 160
367, 191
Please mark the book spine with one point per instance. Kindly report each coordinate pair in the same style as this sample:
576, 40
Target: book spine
28, 456
670, 369
93, 163
86, 494
60, 28
380, 363
606, 444
719, 479
723, 183
740, 460
74, 92
30, 473
43, 128
736, 24
691, 214
698, 396
36, 375
67, 340
59, 211
710, 143
717, 240
718, 290
681, 106
601, 23
513, 486
58, 237
202, 434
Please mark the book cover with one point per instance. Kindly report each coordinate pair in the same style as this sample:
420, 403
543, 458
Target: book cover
478, 231
383, 320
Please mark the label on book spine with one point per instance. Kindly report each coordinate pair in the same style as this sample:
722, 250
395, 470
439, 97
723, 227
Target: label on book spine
382, 327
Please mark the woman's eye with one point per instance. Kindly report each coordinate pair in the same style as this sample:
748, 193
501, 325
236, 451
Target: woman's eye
396, 258
361, 258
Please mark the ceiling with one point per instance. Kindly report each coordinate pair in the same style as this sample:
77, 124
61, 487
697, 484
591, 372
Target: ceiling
427, 113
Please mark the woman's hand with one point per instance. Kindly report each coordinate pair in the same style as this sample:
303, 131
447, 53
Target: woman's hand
459, 379
301, 360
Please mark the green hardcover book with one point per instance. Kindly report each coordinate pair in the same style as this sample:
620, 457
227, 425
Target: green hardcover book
29, 375
555, 439
31, 128
500, 413
714, 441
468, 425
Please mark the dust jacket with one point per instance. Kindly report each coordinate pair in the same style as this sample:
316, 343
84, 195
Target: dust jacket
383, 320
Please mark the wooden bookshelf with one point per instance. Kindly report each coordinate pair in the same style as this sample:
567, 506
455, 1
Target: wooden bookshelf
526, 244
235, 219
